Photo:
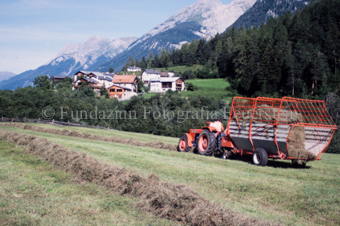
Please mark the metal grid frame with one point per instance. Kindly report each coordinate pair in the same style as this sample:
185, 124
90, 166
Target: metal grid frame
290, 111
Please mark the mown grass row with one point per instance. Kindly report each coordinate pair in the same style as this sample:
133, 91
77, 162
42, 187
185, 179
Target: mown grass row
142, 137
32, 192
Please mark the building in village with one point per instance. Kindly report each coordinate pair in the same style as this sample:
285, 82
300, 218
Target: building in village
134, 69
124, 87
160, 82
149, 74
57, 78
163, 84
96, 80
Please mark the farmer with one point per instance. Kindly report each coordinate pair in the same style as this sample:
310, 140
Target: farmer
217, 125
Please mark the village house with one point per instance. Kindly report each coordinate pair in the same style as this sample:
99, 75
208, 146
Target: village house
129, 81
57, 78
164, 84
121, 92
94, 83
167, 74
125, 87
134, 69
93, 79
160, 82
149, 74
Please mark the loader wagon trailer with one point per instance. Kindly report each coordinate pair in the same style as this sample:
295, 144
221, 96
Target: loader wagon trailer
285, 128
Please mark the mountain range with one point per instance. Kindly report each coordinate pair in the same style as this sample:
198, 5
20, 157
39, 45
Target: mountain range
4, 75
203, 19
72, 58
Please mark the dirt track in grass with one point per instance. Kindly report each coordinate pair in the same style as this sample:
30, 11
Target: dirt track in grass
64, 132
163, 199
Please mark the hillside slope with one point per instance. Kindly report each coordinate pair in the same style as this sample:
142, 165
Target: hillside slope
263, 10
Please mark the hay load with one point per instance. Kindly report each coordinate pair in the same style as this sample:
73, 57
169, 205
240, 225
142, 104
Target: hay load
296, 144
262, 119
297, 135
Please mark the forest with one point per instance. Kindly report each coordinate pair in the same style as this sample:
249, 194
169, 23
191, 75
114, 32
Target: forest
293, 55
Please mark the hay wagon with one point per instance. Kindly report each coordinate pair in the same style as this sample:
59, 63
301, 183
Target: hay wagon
288, 128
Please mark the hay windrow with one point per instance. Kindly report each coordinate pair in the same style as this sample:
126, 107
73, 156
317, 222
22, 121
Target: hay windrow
64, 132
164, 199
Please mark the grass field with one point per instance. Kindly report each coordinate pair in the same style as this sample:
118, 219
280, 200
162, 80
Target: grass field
181, 69
215, 88
277, 193
34, 193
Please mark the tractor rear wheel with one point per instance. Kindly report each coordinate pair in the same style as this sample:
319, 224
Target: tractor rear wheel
206, 143
260, 157
183, 144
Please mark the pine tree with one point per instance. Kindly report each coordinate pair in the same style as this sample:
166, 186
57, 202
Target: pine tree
150, 59
246, 60
293, 75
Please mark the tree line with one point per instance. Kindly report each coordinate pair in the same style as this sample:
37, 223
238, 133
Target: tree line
164, 114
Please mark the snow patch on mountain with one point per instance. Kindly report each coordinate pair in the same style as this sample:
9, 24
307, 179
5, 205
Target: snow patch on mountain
86, 54
272, 14
212, 15
178, 46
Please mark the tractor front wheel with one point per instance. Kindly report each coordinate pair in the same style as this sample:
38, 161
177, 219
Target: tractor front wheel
183, 144
206, 143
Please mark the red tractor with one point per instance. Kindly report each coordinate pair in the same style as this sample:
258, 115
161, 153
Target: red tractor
288, 128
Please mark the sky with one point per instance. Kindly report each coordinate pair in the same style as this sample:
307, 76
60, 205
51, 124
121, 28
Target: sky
33, 31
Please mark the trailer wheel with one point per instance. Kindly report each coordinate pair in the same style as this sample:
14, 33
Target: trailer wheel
183, 144
206, 143
299, 163
260, 157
